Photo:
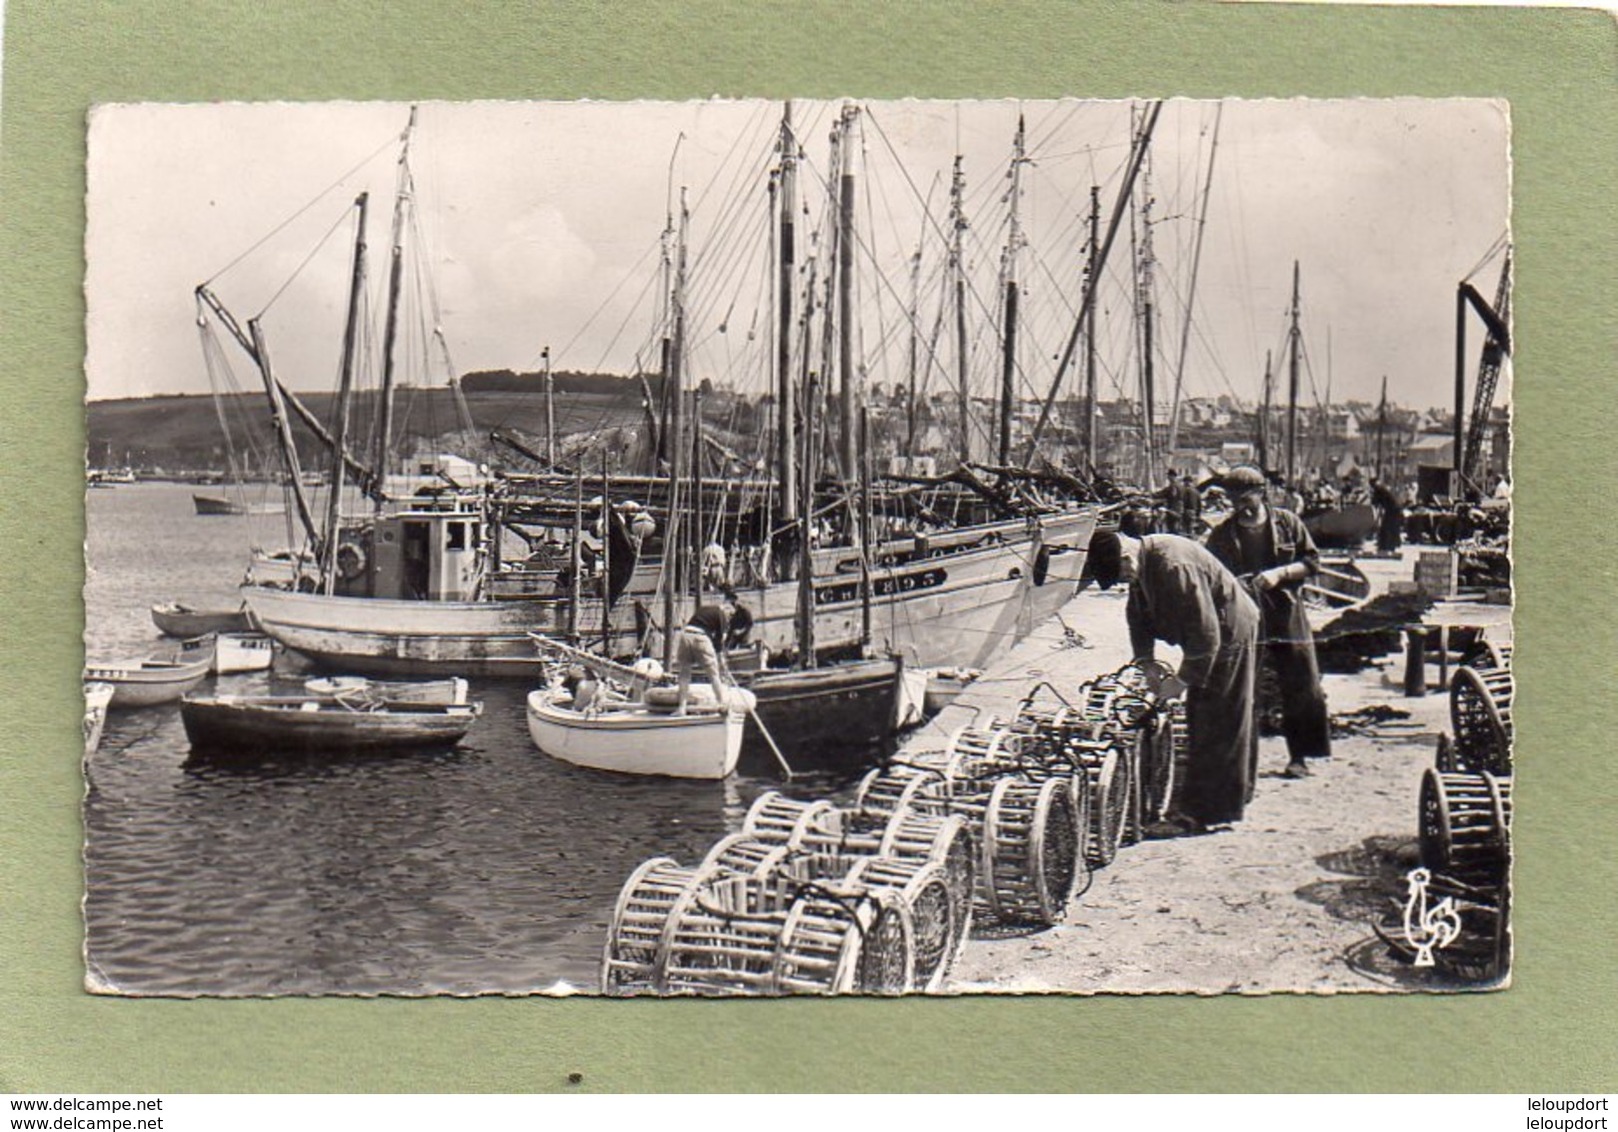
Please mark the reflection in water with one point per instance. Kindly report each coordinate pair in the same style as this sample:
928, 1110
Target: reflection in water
486, 868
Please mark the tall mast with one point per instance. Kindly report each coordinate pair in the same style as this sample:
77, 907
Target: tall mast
345, 388
1292, 385
390, 333
283, 428
666, 348
1264, 418
1014, 241
1144, 280
1092, 267
1381, 424
849, 389
785, 398
1191, 289
550, 408
1142, 141
957, 267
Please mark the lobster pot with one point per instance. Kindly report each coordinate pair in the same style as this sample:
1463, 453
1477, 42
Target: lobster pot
938, 923
1488, 654
944, 840
778, 819
1465, 829
1108, 776
1030, 848
975, 752
1481, 953
890, 790
742, 855
1480, 709
632, 962
817, 942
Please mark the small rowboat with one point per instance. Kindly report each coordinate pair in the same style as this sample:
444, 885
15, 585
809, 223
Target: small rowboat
176, 619
242, 652
451, 690
142, 683
635, 738
96, 698
237, 724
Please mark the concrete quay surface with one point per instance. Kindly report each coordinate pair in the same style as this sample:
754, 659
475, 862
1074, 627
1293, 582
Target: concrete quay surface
1284, 901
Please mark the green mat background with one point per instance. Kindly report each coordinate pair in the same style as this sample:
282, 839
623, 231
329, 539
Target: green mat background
1553, 1031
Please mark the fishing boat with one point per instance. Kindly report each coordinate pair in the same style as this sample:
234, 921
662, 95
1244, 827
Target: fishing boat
143, 683
447, 692
225, 724
222, 505
1343, 527
826, 718
177, 619
97, 698
638, 738
242, 652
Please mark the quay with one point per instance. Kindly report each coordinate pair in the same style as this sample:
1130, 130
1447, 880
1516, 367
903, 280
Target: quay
1286, 899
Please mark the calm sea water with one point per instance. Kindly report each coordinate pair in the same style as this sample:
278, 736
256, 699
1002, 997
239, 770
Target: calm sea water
489, 868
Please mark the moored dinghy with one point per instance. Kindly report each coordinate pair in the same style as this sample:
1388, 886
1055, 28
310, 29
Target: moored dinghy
242, 652
142, 683
97, 696
451, 690
241, 724
176, 619
641, 738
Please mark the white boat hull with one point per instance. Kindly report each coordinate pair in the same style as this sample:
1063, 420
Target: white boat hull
960, 608
636, 740
97, 697
242, 652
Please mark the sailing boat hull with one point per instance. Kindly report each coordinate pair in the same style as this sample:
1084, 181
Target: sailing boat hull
831, 718
960, 607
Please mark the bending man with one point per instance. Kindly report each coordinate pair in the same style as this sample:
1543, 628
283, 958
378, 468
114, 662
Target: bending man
1273, 550
702, 642
1180, 594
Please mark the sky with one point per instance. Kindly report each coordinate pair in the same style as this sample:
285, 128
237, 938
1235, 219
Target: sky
540, 225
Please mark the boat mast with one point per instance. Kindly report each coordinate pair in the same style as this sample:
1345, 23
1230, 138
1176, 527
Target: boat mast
1091, 267
345, 388
550, 408
674, 444
1264, 419
1191, 289
1144, 279
283, 427
1292, 387
1381, 425
957, 268
1014, 241
849, 381
390, 333
1143, 140
785, 398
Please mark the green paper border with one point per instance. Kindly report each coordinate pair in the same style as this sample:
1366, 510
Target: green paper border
1553, 1031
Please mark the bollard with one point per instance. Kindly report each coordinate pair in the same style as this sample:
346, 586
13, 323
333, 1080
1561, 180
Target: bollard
1415, 661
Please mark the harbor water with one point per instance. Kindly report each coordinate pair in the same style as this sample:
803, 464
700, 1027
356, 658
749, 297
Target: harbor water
489, 868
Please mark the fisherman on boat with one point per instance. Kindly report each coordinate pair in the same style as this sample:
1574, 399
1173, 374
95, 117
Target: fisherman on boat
702, 642
1181, 594
1272, 551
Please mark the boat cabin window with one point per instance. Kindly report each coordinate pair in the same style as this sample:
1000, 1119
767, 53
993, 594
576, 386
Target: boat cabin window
456, 537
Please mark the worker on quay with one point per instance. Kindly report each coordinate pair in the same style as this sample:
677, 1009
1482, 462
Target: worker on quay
702, 642
1181, 594
1272, 551
1390, 517
1190, 506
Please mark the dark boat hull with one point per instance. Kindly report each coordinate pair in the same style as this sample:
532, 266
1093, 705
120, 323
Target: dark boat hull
1343, 527
834, 718
221, 727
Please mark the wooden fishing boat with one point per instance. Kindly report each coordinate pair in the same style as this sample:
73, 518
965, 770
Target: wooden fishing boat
1345, 527
223, 505
637, 738
830, 717
97, 697
445, 692
142, 683
229, 724
242, 652
176, 619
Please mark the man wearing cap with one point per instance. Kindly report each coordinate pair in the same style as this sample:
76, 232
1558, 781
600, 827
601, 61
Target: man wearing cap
1273, 552
1180, 594
702, 642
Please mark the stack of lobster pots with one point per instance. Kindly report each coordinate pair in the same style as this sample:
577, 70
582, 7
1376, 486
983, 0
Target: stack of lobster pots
1002, 826
1465, 816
